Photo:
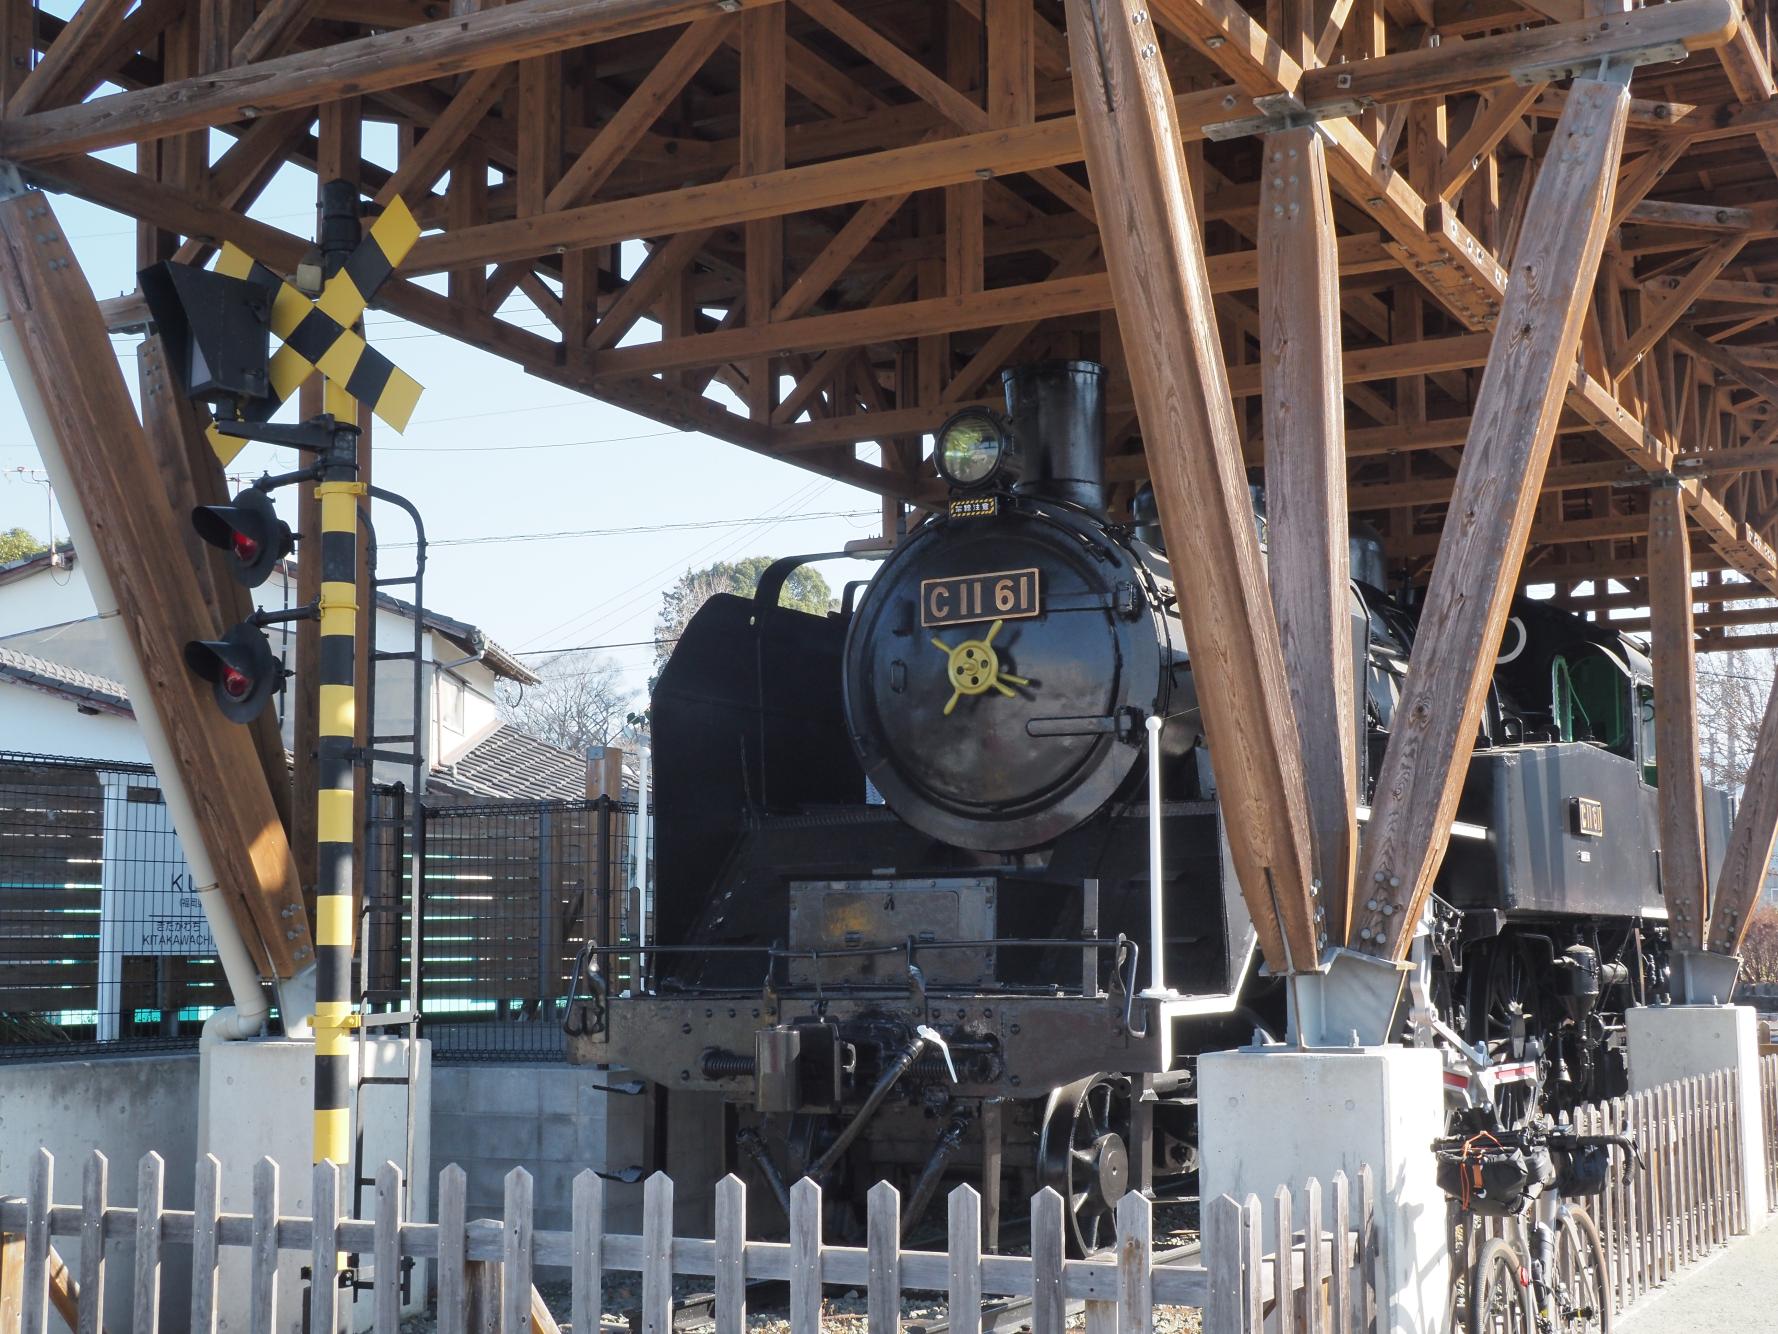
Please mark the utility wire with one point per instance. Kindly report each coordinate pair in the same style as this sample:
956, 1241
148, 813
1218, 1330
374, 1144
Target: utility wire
593, 648
491, 538
381, 448
609, 608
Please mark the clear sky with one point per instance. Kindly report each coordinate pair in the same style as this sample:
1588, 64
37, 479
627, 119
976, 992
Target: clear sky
494, 452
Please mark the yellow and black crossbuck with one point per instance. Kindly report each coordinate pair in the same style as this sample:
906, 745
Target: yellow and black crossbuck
317, 335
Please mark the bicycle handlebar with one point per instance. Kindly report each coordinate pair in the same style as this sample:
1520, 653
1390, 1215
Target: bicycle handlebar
1556, 1138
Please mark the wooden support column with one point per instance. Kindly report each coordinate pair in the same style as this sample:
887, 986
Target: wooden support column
15, 46
1684, 877
1748, 857
65, 360
1304, 422
191, 476
1155, 255
762, 150
1489, 522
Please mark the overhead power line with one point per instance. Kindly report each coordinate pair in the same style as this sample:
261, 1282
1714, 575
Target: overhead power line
634, 530
593, 648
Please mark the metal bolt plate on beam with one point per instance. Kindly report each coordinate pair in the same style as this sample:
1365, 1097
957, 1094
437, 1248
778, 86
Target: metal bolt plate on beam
1284, 111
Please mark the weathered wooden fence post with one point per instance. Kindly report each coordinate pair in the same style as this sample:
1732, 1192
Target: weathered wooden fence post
588, 1274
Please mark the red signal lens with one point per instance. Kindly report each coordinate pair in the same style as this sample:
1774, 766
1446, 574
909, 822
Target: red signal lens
236, 683
246, 549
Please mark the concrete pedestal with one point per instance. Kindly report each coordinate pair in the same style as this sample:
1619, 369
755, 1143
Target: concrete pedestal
1275, 1116
1668, 1042
259, 1099
556, 1121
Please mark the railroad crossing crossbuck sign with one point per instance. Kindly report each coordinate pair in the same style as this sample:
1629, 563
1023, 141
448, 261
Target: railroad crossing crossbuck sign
317, 335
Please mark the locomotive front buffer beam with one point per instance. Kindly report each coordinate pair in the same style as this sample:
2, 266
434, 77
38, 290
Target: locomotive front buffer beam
823, 1055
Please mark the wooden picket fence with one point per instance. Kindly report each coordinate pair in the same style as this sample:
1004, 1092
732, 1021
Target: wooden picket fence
1685, 1200
486, 1267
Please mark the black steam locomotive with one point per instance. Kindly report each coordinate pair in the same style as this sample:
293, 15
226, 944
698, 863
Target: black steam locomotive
902, 862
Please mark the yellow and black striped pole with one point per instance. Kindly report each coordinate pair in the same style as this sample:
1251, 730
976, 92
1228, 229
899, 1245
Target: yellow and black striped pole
336, 796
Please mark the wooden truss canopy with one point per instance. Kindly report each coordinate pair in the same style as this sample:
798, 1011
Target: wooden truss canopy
852, 216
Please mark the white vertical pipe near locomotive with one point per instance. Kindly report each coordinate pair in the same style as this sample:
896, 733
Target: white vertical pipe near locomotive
1157, 912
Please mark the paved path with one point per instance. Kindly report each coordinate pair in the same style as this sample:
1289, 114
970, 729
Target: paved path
1733, 1292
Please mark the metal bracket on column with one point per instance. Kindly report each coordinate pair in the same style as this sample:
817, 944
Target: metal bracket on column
1701, 977
296, 1001
1285, 111
1351, 1001
1614, 68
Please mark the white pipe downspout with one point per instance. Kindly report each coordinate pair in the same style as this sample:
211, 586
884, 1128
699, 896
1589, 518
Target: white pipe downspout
247, 1016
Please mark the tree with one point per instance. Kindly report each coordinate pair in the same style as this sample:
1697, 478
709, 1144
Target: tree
16, 544
1732, 690
580, 702
805, 590
1759, 952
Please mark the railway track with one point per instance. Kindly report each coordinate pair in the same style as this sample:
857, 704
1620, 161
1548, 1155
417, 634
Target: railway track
1007, 1315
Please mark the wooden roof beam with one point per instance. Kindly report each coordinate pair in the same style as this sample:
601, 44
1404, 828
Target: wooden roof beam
1678, 294
948, 161
621, 133
495, 36
274, 31
82, 51
422, 165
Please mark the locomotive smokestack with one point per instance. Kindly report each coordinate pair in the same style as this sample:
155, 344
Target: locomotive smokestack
1058, 409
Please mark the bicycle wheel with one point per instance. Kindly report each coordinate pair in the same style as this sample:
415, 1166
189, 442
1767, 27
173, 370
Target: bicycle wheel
1582, 1298
1499, 1298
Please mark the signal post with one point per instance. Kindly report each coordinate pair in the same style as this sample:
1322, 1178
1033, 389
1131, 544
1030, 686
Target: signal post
222, 311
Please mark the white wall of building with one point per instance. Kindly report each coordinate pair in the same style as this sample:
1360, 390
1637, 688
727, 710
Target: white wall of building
48, 597
51, 614
40, 723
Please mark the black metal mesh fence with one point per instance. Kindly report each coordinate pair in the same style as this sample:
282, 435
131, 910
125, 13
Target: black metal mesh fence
513, 890
104, 946
103, 942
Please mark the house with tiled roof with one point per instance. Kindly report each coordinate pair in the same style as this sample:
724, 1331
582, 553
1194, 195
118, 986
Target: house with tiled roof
59, 692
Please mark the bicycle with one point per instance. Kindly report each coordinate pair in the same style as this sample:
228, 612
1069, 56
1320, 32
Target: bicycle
1546, 1273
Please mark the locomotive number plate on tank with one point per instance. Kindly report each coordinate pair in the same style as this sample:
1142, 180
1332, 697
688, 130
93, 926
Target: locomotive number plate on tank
1005, 595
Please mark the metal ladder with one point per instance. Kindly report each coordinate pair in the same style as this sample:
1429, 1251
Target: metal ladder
386, 1008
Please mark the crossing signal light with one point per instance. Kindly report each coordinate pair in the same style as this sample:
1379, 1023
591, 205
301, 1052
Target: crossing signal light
217, 332
241, 668
250, 531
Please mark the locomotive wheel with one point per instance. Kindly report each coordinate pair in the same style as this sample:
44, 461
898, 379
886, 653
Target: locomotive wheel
1503, 1012
1083, 1154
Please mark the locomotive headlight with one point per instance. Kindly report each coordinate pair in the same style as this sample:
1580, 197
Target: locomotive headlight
975, 447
